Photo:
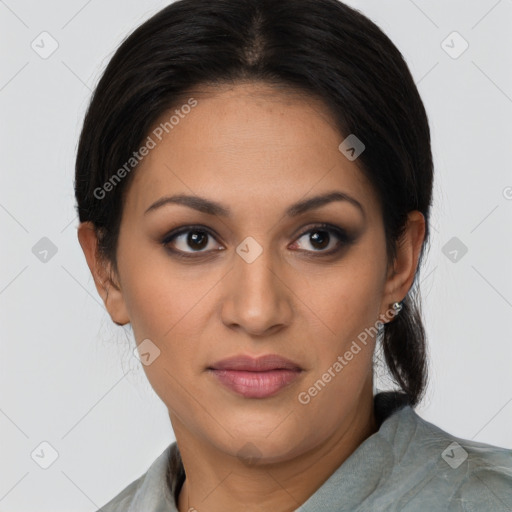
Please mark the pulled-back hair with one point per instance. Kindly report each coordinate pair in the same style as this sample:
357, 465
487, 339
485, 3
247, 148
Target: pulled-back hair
321, 47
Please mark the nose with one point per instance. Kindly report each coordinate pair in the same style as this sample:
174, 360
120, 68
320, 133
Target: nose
257, 298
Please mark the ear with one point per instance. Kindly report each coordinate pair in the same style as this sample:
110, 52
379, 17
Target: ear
102, 273
402, 271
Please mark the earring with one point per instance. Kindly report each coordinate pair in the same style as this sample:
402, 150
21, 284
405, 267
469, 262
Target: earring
397, 307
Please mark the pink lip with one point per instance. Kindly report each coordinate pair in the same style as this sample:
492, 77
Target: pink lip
256, 378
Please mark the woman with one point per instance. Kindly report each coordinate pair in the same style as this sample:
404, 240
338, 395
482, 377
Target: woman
254, 183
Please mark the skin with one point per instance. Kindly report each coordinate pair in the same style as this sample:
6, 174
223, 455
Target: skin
255, 150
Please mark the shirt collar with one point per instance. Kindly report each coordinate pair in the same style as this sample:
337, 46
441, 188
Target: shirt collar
371, 461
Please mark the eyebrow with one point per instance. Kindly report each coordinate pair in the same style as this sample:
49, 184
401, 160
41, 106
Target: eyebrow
212, 208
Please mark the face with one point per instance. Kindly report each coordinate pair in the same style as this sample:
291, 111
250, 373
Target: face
253, 276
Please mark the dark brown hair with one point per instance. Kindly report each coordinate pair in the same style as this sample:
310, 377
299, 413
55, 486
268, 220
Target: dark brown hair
321, 47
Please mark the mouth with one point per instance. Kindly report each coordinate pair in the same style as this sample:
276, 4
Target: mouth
256, 377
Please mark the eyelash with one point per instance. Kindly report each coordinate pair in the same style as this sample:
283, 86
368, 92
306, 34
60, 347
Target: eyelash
344, 240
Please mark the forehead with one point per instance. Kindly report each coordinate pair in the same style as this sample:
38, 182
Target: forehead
246, 141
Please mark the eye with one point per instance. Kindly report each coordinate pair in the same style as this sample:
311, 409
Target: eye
193, 239
324, 238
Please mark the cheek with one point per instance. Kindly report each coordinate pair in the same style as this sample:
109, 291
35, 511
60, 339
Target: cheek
344, 303
349, 311
169, 305
160, 295
166, 309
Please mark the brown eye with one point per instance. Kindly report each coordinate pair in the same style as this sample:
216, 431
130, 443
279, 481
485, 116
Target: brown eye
320, 239
197, 239
323, 239
190, 240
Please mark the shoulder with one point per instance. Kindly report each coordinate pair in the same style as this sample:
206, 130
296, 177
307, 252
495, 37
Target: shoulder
459, 452
486, 487
469, 475
484, 481
149, 492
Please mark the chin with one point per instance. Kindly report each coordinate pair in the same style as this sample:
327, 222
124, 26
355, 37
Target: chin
264, 443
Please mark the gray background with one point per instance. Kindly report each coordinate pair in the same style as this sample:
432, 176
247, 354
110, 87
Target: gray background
67, 376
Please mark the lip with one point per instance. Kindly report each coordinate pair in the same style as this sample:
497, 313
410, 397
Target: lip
255, 364
260, 377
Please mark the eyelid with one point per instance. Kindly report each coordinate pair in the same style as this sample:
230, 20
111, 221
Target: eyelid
185, 229
342, 233
169, 237
344, 237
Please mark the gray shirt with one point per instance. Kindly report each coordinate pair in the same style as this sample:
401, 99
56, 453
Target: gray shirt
408, 465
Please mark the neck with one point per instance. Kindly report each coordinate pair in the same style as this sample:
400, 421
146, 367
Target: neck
216, 481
